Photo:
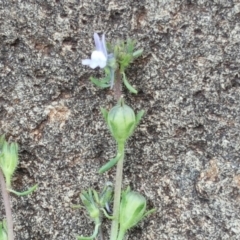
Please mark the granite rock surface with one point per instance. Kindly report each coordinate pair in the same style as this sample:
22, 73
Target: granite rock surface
185, 155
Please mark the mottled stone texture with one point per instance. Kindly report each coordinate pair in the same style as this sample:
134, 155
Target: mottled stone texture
185, 155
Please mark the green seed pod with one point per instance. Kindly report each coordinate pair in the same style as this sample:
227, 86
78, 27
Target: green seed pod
3, 230
132, 209
8, 159
121, 120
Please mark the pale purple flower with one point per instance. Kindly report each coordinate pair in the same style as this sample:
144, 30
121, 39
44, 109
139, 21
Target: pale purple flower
99, 56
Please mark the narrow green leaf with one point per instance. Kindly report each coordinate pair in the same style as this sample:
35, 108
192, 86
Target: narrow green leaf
137, 53
76, 206
106, 214
125, 60
29, 191
127, 84
110, 164
153, 210
96, 196
84, 197
130, 45
139, 116
102, 83
90, 195
85, 238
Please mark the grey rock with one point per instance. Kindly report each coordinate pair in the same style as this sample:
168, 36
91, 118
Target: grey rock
184, 157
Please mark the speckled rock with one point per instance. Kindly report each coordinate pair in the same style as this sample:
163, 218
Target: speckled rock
185, 155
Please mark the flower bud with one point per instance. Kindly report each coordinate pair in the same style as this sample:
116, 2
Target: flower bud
106, 196
90, 205
8, 159
121, 121
132, 209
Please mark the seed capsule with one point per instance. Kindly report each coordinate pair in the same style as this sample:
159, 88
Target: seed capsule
132, 209
121, 121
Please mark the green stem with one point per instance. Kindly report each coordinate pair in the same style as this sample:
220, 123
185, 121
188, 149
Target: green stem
7, 205
117, 87
101, 232
117, 194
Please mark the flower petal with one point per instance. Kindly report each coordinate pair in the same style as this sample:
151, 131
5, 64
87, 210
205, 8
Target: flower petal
93, 64
99, 58
102, 64
86, 61
104, 49
97, 42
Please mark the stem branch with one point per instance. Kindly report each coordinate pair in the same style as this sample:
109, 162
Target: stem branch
7, 205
